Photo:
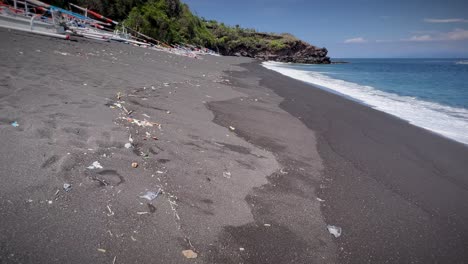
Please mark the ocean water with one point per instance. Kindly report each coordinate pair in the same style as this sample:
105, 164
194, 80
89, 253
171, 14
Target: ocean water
429, 93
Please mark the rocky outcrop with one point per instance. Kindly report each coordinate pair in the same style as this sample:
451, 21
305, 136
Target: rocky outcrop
296, 51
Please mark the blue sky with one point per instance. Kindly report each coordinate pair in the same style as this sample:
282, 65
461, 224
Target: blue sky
355, 28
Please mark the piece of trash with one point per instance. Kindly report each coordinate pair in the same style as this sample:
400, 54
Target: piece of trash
160, 172
282, 171
232, 128
267, 225
111, 213
134, 164
102, 250
155, 138
66, 187
241, 249
334, 230
150, 196
15, 124
166, 84
227, 174
148, 134
190, 254
49, 202
320, 200
168, 112
95, 165
145, 115
128, 145
119, 95
85, 84
130, 138
134, 239
142, 213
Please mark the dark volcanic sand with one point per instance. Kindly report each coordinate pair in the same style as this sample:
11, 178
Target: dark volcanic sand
248, 195
398, 191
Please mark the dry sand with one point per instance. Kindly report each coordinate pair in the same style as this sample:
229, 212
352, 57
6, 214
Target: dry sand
225, 198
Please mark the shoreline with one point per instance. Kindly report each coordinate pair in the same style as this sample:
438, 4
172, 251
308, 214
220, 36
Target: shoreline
418, 112
373, 162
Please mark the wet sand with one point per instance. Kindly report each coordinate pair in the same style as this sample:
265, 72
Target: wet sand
398, 191
251, 165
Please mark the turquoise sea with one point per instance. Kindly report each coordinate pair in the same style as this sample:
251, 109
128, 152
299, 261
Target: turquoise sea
430, 93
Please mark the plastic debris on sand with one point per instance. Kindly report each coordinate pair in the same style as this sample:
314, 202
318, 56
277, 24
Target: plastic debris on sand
232, 128
334, 230
190, 254
134, 164
95, 165
66, 187
128, 145
15, 124
150, 196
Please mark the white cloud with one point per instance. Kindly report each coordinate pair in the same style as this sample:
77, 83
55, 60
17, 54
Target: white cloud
355, 40
456, 34
446, 20
421, 38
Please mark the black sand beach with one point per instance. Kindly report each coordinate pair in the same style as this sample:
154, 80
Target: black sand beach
251, 165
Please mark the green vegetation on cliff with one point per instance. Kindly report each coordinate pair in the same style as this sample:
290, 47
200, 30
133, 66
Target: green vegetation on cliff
171, 21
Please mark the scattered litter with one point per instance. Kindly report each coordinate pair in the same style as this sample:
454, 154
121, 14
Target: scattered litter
29, 201
282, 171
334, 230
190, 254
227, 174
95, 165
49, 202
168, 112
166, 84
66, 187
85, 84
232, 128
150, 196
101, 250
119, 95
62, 53
130, 138
113, 261
142, 213
111, 213
145, 115
267, 225
143, 123
57, 192
128, 145
134, 239
155, 138
256, 100
134, 164
160, 172
15, 124
148, 134
241, 249
320, 200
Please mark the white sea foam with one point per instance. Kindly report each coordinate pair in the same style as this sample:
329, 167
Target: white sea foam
448, 121
464, 62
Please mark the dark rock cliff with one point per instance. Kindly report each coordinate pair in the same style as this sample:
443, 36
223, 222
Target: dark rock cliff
293, 51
